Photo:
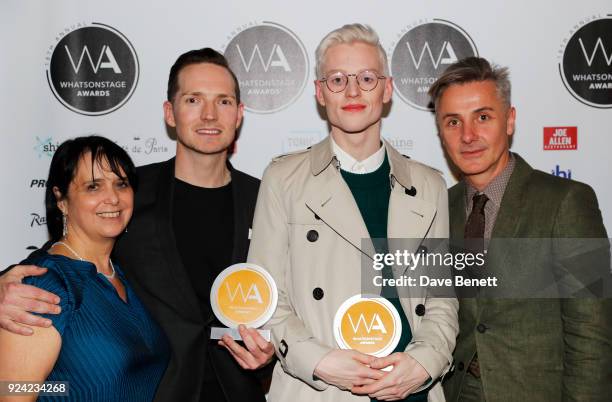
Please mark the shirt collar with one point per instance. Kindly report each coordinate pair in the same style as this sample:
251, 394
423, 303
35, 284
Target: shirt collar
496, 188
352, 165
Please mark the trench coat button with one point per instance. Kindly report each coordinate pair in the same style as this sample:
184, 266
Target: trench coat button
317, 217
317, 293
420, 310
481, 328
312, 236
283, 348
411, 191
460, 366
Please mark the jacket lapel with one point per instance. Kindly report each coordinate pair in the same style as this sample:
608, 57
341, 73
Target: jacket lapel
508, 221
410, 216
333, 201
468, 307
335, 205
165, 233
242, 223
456, 205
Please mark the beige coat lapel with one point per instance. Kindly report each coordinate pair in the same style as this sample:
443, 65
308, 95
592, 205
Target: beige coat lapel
333, 201
409, 215
410, 218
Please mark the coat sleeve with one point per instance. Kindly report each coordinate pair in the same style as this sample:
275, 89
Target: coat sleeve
587, 321
434, 340
297, 349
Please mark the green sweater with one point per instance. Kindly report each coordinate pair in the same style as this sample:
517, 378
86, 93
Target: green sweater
371, 192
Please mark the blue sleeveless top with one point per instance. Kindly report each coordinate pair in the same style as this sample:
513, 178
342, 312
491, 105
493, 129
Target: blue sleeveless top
111, 350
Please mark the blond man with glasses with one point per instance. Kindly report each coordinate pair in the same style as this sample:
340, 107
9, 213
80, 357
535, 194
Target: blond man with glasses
314, 209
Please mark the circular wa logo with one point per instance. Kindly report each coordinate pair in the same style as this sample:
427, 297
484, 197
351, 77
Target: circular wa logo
93, 70
586, 66
271, 65
421, 55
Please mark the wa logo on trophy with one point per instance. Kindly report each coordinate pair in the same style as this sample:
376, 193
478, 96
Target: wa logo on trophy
586, 64
243, 294
368, 324
271, 64
422, 53
93, 70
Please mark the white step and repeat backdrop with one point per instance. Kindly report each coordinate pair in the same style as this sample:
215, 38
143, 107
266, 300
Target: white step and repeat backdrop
71, 68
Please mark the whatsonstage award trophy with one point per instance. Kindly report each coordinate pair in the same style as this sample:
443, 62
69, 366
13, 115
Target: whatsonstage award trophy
243, 294
369, 324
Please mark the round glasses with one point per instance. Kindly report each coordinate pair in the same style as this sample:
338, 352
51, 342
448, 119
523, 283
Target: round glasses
366, 80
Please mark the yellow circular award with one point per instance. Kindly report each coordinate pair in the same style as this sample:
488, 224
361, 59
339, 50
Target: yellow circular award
244, 294
369, 324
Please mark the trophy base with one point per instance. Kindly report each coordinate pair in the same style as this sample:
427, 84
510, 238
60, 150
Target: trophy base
217, 333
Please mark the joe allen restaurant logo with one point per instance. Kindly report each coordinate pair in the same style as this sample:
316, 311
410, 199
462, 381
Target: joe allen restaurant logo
560, 138
270, 63
585, 62
420, 55
92, 69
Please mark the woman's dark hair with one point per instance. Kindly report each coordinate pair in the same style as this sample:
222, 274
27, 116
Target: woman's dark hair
64, 167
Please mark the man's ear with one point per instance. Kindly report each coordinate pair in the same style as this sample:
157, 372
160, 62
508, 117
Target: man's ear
388, 90
511, 121
240, 115
319, 92
169, 114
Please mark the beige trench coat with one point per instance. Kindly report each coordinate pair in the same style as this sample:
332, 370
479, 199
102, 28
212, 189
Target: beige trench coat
308, 233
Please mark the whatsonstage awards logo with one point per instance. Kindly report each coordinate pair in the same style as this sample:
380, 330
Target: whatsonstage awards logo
92, 69
421, 53
271, 65
585, 63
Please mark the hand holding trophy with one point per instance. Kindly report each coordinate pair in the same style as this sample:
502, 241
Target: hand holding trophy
243, 294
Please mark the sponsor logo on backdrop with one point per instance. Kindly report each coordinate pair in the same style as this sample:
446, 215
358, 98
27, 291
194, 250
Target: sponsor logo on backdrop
560, 138
144, 146
45, 146
92, 69
420, 54
585, 61
38, 183
271, 65
403, 145
37, 219
137, 145
564, 173
300, 139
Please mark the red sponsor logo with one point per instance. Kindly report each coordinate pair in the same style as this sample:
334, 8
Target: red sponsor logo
560, 138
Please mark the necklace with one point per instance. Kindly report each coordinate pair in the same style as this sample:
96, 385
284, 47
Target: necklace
111, 276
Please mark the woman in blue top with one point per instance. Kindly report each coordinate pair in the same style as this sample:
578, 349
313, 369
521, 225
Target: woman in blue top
103, 345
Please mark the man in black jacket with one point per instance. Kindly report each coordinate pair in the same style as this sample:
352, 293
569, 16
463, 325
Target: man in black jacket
192, 218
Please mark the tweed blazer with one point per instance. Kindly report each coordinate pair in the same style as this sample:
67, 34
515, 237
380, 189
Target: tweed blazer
545, 350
